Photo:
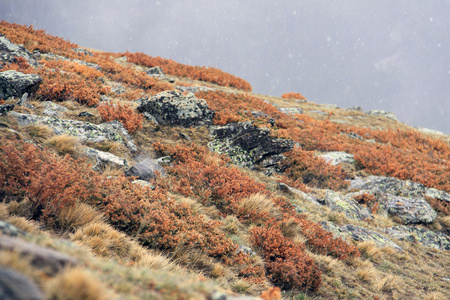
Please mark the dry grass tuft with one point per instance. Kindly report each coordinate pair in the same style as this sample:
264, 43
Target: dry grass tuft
66, 144
445, 222
260, 204
370, 250
24, 224
387, 283
4, 212
103, 240
73, 217
39, 133
367, 274
76, 284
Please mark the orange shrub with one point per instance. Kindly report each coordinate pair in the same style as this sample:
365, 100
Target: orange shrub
306, 168
288, 266
171, 67
34, 39
293, 95
131, 120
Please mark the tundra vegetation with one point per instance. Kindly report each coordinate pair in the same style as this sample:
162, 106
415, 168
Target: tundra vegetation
208, 225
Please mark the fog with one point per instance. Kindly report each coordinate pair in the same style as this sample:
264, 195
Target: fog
388, 55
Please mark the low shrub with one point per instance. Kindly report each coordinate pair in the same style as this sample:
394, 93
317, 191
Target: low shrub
131, 120
293, 96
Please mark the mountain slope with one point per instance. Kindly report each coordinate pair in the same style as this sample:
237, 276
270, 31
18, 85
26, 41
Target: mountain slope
236, 191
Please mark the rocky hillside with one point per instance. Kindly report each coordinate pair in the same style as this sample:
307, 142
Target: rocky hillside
126, 176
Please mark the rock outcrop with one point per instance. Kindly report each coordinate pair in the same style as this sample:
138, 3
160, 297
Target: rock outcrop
146, 169
105, 159
84, 131
173, 108
9, 52
335, 158
248, 145
427, 238
409, 210
346, 205
15, 84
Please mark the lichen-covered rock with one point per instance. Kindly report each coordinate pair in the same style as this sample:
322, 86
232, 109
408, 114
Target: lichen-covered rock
155, 71
398, 187
15, 84
427, 238
336, 157
363, 234
409, 210
291, 110
84, 131
176, 109
247, 144
105, 159
10, 51
146, 169
334, 229
14, 286
346, 205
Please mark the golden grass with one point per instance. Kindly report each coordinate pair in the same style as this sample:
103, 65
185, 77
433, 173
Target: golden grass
66, 144
370, 250
39, 133
103, 240
76, 284
435, 296
24, 224
259, 203
73, 217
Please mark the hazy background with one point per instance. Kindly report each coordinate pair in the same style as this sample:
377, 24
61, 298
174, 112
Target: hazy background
389, 55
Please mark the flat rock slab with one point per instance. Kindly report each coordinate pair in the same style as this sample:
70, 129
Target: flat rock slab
49, 260
84, 131
427, 238
363, 234
105, 159
346, 205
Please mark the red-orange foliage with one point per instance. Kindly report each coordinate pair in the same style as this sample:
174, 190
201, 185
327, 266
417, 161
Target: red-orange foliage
52, 182
309, 169
230, 107
439, 205
368, 200
34, 39
171, 67
323, 241
293, 95
131, 120
19, 64
288, 266
201, 173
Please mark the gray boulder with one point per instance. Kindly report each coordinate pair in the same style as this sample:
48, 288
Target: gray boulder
290, 190
335, 158
427, 238
176, 109
409, 210
84, 131
334, 229
346, 205
14, 286
248, 145
363, 234
15, 84
24, 101
10, 51
105, 159
146, 170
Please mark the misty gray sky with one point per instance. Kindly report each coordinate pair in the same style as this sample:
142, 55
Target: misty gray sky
389, 55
